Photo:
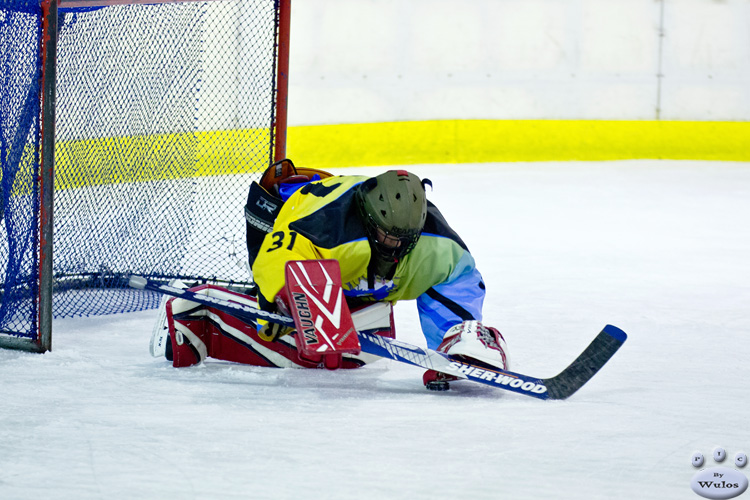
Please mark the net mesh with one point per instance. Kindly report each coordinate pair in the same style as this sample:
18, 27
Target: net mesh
164, 114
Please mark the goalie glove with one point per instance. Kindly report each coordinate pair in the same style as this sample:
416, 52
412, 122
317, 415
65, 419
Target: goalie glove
477, 342
270, 332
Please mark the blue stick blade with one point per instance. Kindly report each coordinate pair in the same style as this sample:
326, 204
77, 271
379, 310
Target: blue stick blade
616, 333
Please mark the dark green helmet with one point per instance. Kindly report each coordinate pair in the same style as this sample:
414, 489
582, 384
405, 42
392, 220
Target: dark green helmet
393, 208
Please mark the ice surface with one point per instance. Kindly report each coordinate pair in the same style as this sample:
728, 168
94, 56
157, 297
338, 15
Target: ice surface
659, 249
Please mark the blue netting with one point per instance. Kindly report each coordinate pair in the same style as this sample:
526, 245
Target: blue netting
19, 134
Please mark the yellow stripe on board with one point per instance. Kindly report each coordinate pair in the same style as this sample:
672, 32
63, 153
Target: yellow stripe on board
471, 141
197, 154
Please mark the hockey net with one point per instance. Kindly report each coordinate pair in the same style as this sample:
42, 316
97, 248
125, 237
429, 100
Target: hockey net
164, 114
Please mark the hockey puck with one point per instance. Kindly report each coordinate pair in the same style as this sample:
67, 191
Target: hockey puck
437, 385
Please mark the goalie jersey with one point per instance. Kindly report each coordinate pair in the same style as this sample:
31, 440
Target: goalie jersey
321, 221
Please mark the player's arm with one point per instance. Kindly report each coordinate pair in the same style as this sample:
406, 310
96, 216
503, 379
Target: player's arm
457, 299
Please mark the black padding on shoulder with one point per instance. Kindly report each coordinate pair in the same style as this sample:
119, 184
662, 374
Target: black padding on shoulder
333, 224
261, 211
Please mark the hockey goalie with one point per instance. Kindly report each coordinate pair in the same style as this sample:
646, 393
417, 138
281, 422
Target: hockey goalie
335, 253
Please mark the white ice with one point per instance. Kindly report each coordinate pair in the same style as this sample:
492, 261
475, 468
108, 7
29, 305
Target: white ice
660, 249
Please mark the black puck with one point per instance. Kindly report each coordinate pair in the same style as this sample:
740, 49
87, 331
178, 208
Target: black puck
437, 385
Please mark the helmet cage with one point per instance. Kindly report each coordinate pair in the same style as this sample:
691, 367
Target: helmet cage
403, 241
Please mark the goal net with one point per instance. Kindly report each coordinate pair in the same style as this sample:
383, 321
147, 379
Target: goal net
164, 114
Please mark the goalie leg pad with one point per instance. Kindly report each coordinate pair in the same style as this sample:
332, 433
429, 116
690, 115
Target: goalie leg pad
188, 339
199, 332
208, 332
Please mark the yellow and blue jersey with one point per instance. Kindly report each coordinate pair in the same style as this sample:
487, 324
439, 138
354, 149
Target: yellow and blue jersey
320, 221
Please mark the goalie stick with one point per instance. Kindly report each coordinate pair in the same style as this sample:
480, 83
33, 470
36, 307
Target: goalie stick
561, 386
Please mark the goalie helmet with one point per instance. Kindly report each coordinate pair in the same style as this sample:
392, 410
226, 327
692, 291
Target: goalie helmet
393, 209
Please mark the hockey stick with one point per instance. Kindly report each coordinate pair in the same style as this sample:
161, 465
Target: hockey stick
561, 386
242, 311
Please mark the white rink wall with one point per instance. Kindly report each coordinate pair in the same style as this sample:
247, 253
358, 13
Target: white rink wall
355, 61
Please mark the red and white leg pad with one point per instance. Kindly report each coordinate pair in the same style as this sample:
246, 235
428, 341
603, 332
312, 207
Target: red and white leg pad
194, 328
188, 340
198, 332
